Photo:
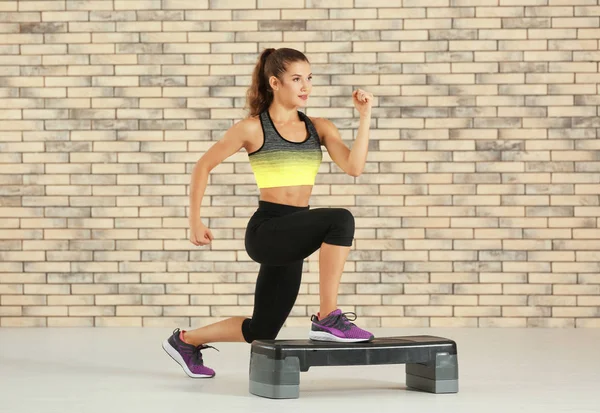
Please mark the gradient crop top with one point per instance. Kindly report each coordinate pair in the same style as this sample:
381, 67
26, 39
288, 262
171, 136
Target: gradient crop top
280, 162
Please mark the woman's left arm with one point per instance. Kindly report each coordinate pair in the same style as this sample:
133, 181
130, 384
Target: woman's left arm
358, 154
350, 161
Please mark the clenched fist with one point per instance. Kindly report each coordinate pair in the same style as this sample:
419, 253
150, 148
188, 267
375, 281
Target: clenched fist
362, 101
200, 234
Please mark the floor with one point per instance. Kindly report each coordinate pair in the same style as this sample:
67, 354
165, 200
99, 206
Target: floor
125, 370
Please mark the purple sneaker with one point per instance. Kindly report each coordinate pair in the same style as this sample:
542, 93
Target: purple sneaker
188, 356
337, 327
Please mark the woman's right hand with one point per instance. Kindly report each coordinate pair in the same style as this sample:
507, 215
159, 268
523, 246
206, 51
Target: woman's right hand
200, 234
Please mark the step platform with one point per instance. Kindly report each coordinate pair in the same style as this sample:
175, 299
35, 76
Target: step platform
275, 365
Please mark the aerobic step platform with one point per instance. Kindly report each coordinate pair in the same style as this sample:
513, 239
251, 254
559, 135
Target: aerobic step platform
275, 365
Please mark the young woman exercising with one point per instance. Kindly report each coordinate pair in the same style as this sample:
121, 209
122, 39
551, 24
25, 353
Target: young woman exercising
284, 151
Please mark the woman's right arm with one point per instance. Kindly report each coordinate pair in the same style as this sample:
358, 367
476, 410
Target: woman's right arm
234, 139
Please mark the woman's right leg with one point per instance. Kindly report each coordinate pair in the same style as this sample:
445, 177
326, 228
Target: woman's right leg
301, 233
296, 236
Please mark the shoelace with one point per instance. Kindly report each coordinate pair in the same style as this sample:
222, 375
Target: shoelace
198, 349
344, 321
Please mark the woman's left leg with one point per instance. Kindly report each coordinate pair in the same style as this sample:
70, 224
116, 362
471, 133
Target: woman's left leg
332, 259
274, 297
276, 291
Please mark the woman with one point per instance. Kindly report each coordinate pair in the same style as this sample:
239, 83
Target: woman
284, 150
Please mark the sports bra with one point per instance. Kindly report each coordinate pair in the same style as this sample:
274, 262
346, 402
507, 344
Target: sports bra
279, 162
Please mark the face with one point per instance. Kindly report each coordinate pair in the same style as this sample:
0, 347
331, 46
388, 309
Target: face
295, 85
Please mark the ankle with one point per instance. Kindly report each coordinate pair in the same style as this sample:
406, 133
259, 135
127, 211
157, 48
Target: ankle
183, 336
324, 314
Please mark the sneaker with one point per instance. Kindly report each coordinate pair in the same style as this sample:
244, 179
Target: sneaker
187, 355
337, 327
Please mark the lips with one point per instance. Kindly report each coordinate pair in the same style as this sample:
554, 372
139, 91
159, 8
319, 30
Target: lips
303, 97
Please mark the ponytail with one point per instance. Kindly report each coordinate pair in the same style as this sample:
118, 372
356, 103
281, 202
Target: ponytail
272, 62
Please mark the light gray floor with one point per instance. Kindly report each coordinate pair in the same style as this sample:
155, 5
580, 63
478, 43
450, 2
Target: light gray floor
126, 370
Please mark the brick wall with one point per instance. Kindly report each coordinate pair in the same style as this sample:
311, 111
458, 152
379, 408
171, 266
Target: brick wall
479, 204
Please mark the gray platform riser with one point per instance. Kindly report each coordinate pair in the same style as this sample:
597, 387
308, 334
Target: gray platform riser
268, 371
444, 368
431, 386
274, 392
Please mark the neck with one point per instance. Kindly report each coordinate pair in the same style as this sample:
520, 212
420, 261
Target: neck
282, 114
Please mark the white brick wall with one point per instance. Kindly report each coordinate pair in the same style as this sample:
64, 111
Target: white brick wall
478, 206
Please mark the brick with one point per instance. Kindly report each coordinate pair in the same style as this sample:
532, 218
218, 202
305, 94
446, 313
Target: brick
193, 311
136, 4
13, 311
465, 45
572, 45
503, 34
70, 322
548, 11
118, 321
480, 23
405, 321
88, 5
64, 16
24, 17
588, 33
23, 300
551, 323
44, 311
428, 24
453, 322
495, 322
185, 4
579, 22
41, 5
139, 311
23, 322
575, 312
9, 6
477, 311
515, 311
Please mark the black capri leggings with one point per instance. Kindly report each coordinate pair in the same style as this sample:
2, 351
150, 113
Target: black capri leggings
280, 237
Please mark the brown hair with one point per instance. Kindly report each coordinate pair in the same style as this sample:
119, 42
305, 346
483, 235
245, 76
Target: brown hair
272, 62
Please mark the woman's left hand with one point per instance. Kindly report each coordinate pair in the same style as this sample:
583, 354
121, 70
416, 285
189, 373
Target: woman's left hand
362, 101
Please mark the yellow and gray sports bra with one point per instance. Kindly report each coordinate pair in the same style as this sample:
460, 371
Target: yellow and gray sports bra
279, 162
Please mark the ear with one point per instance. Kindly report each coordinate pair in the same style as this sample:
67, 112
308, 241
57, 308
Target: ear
274, 82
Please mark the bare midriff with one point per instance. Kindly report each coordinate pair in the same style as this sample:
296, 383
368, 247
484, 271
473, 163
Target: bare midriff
288, 195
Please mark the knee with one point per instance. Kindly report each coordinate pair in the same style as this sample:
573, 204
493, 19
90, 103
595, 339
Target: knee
343, 219
341, 229
252, 330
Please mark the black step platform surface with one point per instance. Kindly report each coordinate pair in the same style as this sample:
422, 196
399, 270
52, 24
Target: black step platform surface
275, 365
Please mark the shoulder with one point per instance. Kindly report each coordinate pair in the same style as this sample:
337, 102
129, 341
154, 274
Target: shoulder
249, 124
245, 129
245, 133
324, 127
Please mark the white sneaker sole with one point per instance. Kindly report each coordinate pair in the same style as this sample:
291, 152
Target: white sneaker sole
324, 336
177, 357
